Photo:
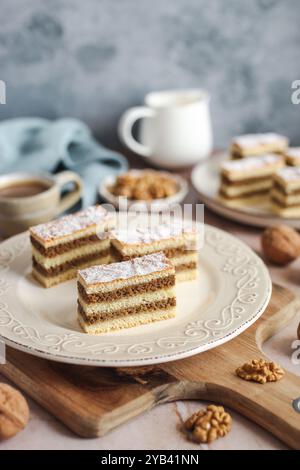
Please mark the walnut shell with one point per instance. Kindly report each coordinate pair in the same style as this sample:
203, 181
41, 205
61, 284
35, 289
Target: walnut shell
298, 331
281, 244
14, 411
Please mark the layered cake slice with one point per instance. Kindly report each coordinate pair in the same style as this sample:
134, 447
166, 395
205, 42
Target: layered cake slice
178, 242
285, 193
292, 156
248, 181
126, 294
257, 144
62, 246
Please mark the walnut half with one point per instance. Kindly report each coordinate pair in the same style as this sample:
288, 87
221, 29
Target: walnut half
207, 425
14, 412
261, 371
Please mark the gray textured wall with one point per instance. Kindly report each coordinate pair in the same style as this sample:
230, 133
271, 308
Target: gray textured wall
94, 58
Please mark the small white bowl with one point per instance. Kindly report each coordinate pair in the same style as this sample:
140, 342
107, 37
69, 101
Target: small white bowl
155, 205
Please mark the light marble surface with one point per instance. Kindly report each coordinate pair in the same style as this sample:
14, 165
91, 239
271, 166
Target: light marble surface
158, 428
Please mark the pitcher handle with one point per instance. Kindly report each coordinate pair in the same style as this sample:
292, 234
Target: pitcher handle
125, 129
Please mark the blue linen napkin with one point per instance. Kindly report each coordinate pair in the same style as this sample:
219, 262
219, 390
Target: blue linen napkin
40, 145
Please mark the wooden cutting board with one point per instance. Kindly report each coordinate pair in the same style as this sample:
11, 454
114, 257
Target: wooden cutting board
92, 400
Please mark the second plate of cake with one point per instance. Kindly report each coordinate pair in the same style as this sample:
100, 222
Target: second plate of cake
229, 291
260, 213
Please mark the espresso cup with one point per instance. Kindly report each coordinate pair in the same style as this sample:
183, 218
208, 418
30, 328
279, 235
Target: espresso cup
28, 199
175, 128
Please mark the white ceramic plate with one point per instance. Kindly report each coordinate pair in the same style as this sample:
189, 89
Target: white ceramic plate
155, 205
206, 179
232, 291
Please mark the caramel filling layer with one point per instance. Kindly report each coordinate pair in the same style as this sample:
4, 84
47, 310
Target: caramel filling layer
256, 179
235, 155
244, 195
128, 291
170, 253
185, 266
148, 307
55, 270
52, 251
238, 152
282, 190
284, 204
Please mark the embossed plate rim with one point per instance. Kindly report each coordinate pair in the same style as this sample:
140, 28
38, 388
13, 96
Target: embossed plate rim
245, 297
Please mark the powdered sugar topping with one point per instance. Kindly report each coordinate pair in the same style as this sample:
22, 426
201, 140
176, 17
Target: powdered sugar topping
253, 140
70, 224
251, 163
125, 269
293, 152
138, 235
289, 173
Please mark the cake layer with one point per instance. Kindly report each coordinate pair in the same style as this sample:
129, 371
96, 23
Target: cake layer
235, 155
290, 199
178, 243
109, 307
232, 190
123, 283
288, 179
49, 281
94, 219
181, 250
290, 212
285, 190
124, 294
187, 275
74, 263
170, 253
186, 262
140, 288
62, 248
257, 144
189, 257
292, 156
246, 200
186, 266
126, 321
226, 181
252, 167
170, 249
247, 195
94, 249
118, 275
131, 308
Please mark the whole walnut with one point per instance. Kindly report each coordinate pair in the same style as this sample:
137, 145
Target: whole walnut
14, 412
281, 244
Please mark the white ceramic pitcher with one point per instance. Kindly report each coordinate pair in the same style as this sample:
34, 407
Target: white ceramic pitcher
175, 128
